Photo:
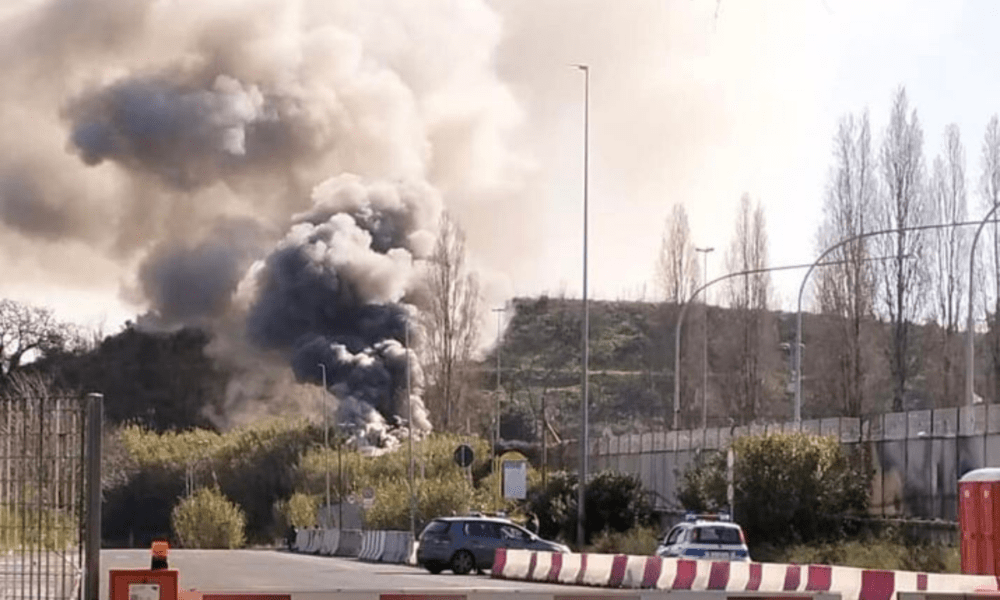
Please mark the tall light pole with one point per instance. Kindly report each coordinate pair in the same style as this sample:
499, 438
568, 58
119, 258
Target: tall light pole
584, 403
496, 412
326, 437
680, 319
970, 336
496, 430
840, 244
409, 408
704, 358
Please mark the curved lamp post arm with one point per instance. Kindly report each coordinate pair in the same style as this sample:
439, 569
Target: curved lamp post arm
840, 244
680, 323
970, 336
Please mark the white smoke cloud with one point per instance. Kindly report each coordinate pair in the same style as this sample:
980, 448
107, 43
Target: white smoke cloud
141, 131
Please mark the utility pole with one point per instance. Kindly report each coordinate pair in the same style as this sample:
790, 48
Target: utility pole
326, 437
704, 358
409, 424
584, 403
496, 431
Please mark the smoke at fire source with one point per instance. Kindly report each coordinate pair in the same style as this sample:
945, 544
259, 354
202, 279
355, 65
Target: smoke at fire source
271, 170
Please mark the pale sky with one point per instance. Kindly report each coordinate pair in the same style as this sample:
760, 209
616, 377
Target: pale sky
684, 106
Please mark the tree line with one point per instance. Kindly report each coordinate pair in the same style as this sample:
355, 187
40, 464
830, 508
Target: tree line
875, 290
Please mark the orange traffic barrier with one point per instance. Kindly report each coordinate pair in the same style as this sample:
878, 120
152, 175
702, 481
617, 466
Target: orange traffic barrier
143, 584
159, 555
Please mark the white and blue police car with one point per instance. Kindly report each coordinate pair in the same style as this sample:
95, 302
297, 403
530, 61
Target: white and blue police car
705, 537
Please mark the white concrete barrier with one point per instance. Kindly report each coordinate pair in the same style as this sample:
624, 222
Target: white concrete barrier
515, 564
301, 540
543, 564
372, 546
331, 538
349, 543
569, 572
597, 569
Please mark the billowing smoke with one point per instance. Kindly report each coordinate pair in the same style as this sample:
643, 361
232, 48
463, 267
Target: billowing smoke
331, 294
271, 170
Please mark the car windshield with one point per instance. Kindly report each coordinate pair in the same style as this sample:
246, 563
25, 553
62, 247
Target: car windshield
717, 535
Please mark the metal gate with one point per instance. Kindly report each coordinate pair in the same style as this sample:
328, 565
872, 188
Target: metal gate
46, 481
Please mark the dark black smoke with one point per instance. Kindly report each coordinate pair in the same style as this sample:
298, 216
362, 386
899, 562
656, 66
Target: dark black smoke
188, 285
185, 135
332, 293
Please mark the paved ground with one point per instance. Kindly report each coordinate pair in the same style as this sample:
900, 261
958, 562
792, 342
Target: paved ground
280, 571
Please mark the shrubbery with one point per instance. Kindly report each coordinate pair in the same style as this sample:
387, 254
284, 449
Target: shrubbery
299, 510
615, 502
207, 519
787, 487
442, 488
145, 473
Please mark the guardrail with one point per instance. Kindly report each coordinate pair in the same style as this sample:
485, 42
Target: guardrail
374, 546
652, 572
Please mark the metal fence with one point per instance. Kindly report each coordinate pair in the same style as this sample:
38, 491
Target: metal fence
46, 484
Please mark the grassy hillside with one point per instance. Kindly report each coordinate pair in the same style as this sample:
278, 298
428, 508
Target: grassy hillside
632, 363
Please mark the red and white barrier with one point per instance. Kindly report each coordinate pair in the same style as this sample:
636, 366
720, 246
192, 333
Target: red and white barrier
651, 572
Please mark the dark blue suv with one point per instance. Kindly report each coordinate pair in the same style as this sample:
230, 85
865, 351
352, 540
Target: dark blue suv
464, 544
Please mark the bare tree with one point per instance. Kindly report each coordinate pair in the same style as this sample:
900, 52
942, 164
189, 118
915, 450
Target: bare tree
948, 201
902, 204
677, 266
28, 332
451, 321
847, 289
989, 194
748, 297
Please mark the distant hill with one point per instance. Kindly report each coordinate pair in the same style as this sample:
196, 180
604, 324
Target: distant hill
632, 354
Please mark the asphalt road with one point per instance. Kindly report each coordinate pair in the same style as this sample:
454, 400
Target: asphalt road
280, 571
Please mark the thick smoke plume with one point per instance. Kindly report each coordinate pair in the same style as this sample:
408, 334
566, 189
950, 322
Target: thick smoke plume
272, 170
332, 293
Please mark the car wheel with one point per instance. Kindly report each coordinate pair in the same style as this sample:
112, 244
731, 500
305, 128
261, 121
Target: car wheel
434, 568
462, 562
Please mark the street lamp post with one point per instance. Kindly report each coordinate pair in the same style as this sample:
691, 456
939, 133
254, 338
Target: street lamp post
680, 322
496, 430
584, 408
409, 424
970, 339
840, 244
326, 437
704, 359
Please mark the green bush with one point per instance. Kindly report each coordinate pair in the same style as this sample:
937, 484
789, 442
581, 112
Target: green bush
787, 487
299, 510
887, 551
442, 488
207, 519
146, 472
638, 541
615, 502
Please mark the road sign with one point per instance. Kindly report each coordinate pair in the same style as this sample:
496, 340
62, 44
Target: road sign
515, 479
352, 499
368, 493
464, 455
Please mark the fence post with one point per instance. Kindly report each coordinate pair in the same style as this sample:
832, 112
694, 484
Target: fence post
92, 550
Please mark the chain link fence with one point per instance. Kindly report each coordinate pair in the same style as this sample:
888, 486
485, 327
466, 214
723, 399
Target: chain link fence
44, 495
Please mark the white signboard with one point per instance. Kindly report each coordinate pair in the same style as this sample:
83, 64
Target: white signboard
143, 591
515, 479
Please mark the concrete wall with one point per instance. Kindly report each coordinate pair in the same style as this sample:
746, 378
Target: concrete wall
917, 457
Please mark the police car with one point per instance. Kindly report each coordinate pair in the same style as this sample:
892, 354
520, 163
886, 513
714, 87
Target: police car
705, 537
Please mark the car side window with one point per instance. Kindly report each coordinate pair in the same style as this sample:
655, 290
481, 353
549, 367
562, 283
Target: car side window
476, 529
508, 532
675, 535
